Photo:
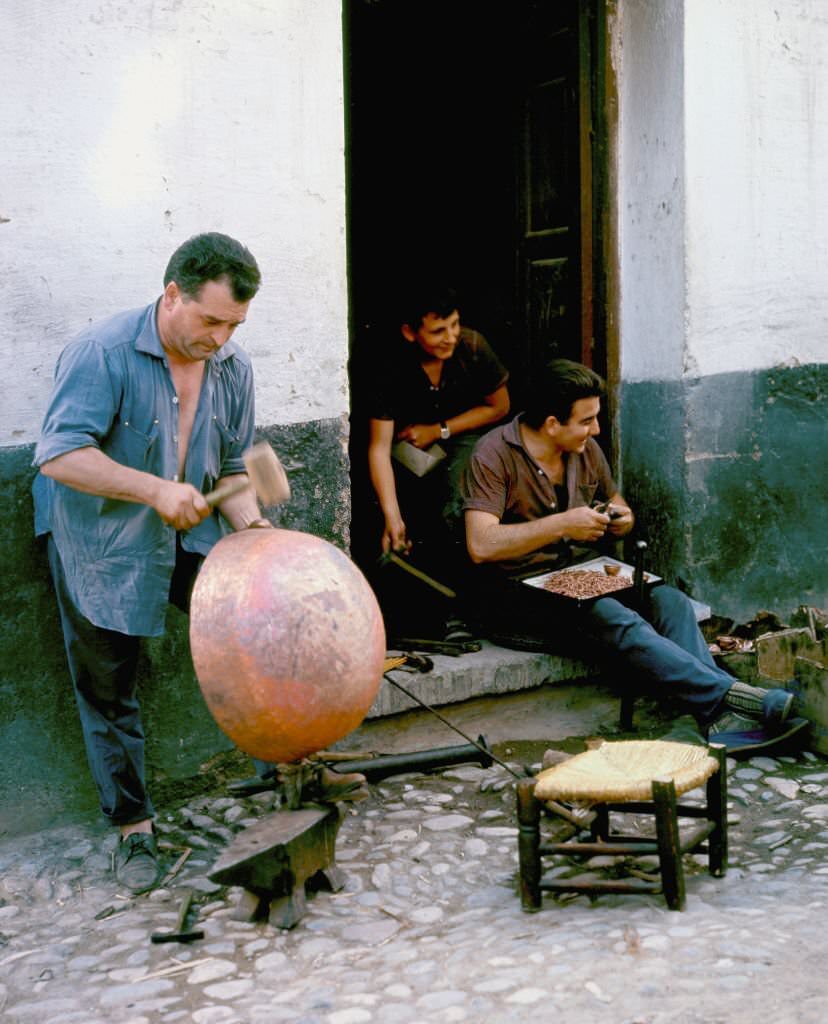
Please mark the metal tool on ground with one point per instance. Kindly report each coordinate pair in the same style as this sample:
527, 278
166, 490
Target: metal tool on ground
452, 648
180, 933
265, 474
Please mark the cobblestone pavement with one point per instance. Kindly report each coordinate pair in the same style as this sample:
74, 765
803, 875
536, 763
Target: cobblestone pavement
428, 927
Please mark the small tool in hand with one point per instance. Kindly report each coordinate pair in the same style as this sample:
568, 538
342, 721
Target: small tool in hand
179, 934
606, 509
265, 475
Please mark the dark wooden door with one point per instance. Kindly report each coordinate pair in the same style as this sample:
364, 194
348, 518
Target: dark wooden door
555, 270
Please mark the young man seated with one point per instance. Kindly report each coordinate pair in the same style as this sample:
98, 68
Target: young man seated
527, 495
440, 386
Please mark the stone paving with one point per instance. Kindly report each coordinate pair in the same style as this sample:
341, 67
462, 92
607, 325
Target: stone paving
428, 927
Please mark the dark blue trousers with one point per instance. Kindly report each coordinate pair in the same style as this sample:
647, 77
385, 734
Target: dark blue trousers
657, 648
102, 664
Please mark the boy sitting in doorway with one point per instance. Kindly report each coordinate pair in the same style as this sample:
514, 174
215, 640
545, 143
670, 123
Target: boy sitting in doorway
440, 388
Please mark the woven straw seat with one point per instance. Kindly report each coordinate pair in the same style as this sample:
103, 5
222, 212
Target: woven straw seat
624, 771
627, 776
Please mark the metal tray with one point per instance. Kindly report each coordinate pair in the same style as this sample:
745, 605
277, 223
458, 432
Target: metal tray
594, 564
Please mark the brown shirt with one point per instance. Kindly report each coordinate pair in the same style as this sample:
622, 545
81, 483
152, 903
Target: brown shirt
503, 479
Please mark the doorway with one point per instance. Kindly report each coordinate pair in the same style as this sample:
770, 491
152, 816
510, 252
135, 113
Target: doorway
475, 136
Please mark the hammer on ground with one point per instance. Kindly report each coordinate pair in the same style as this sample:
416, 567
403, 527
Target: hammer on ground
265, 475
178, 934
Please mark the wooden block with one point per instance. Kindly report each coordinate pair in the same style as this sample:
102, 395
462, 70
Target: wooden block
777, 652
812, 688
740, 664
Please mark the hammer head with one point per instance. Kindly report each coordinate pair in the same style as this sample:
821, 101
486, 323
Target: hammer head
266, 474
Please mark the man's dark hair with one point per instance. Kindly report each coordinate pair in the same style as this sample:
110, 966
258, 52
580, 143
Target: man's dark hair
556, 388
211, 257
423, 297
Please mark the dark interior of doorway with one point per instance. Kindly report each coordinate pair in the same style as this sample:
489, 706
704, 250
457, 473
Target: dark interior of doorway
430, 94
444, 122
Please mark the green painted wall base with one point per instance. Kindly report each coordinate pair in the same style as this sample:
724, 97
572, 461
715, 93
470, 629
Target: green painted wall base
43, 773
727, 477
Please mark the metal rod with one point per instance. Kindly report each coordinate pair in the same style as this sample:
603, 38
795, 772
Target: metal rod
638, 572
376, 768
459, 732
395, 559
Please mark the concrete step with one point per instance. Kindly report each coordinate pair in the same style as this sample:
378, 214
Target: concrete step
491, 670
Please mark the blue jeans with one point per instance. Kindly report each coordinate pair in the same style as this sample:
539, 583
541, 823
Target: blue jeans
664, 651
658, 648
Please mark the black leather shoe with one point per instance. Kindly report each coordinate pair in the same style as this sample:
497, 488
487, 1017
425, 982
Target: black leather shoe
136, 863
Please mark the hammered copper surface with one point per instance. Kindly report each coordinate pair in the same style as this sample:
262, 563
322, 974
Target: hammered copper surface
287, 641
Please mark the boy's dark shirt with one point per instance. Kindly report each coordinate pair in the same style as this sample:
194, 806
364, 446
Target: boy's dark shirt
404, 393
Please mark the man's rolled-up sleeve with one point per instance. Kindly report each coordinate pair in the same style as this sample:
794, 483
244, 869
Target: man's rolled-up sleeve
483, 487
82, 406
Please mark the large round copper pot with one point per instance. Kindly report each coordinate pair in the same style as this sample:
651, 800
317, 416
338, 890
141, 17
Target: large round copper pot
287, 641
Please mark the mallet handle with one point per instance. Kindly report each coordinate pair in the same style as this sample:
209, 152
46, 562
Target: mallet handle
227, 489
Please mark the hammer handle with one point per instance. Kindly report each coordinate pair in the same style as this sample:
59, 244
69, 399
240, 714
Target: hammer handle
390, 556
226, 490
179, 935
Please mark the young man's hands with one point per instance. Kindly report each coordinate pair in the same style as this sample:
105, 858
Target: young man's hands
621, 520
394, 537
584, 523
421, 435
590, 524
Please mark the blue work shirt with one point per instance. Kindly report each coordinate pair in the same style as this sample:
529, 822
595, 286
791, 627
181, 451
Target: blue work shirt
113, 391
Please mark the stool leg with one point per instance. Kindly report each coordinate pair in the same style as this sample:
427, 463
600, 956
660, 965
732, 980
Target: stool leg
669, 843
600, 827
717, 812
625, 717
529, 861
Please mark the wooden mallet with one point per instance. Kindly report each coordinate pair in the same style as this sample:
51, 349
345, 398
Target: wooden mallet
265, 475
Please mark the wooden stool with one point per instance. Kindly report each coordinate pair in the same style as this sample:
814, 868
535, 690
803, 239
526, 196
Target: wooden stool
634, 777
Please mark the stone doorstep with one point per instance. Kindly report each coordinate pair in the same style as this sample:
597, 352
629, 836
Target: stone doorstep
490, 671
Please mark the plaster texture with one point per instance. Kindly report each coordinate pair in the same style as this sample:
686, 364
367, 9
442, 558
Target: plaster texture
729, 486
756, 109
129, 127
649, 56
722, 153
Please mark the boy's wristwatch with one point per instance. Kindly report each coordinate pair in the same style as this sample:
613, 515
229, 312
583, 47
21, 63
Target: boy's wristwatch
445, 433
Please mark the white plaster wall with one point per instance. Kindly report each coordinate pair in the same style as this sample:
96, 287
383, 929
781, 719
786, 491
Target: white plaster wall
128, 125
757, 165
722, 203
648, 54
